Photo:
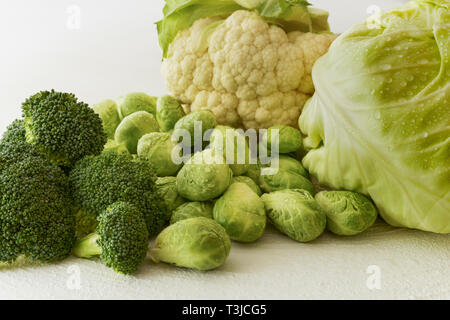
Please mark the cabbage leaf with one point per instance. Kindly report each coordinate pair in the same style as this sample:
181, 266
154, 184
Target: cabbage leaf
379, 122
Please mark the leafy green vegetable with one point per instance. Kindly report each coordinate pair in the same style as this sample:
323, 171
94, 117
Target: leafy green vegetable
134, 102
289, 139
295, 213
378, 123
249, 182
348, 213
197, 243
167, 189
291, 15
204, 177
273, 179
190, 210
157, 148
241, 212
109, 113
133, 127
168, 112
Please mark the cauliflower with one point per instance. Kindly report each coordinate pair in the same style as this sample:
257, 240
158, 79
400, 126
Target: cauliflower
250, 73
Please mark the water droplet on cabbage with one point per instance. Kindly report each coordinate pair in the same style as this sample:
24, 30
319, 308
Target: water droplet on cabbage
378, 115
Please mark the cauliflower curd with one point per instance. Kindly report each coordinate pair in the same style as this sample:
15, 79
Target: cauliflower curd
251, 74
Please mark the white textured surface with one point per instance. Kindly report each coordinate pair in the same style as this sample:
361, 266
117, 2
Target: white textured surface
115, 51
412, 264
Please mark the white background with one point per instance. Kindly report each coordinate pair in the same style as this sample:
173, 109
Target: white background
116, 51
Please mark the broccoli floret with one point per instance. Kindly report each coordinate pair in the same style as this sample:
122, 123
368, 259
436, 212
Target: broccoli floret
36, 211
13, 145
62, 128
121, 239
14, 133
99, 181
85, 224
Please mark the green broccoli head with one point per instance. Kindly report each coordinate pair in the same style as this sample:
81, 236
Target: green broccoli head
99, 181
62, 128
13, 145
36, 211
85, 223
121, 239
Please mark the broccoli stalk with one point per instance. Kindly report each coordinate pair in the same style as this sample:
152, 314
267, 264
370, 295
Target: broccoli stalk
88, 246
121, 239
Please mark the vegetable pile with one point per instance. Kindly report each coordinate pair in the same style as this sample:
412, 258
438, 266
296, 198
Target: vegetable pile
103, 181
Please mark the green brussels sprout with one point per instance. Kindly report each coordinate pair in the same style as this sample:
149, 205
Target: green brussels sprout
228, 140
133, 127
157, 147
348, 213
109, 113
273, 179
204, 177
190, 210
293, 165
112, 146
254, 172
289, 138
241, 212
167, 189
168, 112
187, 123
134, 102
295, 213
197, 243
249, 182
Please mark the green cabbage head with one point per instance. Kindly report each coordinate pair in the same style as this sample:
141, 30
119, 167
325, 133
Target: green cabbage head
379, 122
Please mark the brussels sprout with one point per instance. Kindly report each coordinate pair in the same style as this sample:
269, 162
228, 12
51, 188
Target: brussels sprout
167, 189
198, 243
157, 147
112, 146
168, 112
134, 102
133, 127
273, 179
241, 212
109, 113
348, 213
249, 182
295, 213
293, 165
187, 124
289, 139
234, 147
254, 172
204, 177
190, 210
